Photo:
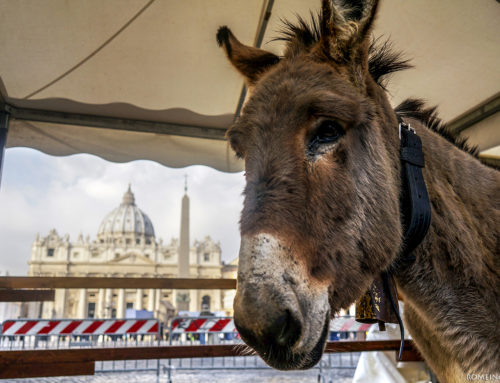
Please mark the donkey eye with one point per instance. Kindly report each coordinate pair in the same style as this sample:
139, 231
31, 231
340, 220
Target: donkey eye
327, 132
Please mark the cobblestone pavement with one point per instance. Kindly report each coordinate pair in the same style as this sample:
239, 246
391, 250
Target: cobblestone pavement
217, 376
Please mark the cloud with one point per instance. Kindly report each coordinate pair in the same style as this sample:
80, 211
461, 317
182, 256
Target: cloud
73, 194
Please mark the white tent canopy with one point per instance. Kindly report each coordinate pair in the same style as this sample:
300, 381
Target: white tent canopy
144, 79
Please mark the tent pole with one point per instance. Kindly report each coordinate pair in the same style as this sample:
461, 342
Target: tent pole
4, 127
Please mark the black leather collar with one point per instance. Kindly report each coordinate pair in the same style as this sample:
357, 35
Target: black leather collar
415, 211
415, 206
415, 220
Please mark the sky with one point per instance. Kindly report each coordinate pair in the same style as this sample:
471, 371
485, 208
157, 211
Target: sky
73, 194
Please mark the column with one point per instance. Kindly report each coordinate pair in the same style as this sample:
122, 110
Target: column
151, 300
100, 304
216, 301
82, 304
48, 309
109, 303
60, 303
120, 305
157, 303
138, 300
195, 303
228, 299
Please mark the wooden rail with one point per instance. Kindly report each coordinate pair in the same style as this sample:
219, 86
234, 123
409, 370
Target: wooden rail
115, 282
65, 362
8, 295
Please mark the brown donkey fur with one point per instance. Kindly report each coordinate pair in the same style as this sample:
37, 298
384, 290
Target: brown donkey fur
321, 217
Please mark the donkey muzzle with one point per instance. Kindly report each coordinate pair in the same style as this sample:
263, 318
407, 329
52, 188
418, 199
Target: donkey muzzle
277, 310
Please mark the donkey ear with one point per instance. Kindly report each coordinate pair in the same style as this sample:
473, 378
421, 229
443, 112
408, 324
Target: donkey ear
346, 25
249, 61
361, 13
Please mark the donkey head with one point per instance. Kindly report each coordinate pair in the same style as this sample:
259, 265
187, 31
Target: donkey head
321, 214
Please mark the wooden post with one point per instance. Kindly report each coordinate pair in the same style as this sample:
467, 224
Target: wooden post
9, 295
115, 283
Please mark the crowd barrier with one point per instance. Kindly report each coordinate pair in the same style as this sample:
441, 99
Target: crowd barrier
206, 330
79, 327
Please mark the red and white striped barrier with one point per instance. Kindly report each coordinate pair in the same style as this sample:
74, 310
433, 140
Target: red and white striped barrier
202, 325
80, 327
340, 324
220, 324
143, 326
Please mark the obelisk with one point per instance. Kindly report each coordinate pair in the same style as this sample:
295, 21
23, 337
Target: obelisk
182, 297
184, 236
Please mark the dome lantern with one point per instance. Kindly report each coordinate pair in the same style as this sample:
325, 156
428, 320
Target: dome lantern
128, 197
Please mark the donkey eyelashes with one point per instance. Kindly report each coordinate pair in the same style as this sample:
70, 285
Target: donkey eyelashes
327, 133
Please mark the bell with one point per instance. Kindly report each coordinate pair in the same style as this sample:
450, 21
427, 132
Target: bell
375, 305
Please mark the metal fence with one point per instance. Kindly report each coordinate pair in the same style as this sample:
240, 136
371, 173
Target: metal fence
205, 330
221, 330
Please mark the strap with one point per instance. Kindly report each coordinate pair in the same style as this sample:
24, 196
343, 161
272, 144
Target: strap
416, 218
390, 288
415, 209
415, 205
413, 156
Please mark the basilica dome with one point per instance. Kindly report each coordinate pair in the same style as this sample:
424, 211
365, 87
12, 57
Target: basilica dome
126, 220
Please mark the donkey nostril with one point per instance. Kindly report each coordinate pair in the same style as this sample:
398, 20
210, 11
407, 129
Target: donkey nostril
247, 334
283, 331
286, 329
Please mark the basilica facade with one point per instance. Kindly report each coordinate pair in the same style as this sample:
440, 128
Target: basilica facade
126, 246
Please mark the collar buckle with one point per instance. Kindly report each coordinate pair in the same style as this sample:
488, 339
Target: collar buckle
404, 125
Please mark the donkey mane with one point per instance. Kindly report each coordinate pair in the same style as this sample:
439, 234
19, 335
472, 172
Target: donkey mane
415, 108
383, 61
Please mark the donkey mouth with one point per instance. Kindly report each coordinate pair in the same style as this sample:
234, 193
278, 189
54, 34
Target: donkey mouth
285, 358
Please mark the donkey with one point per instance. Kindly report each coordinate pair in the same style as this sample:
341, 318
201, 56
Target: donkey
322, 211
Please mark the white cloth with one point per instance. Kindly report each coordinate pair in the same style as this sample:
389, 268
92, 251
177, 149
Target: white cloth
382, 367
